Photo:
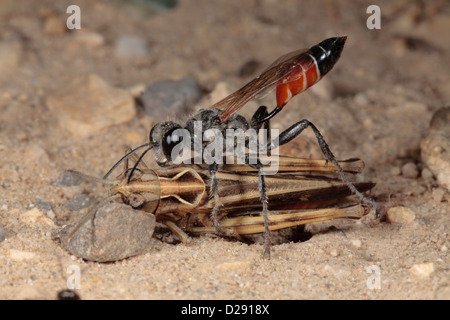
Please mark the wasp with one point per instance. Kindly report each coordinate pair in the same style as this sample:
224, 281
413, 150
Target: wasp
302, 191
289, 75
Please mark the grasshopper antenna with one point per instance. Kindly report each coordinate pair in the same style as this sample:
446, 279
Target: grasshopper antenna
150, 146
126, 157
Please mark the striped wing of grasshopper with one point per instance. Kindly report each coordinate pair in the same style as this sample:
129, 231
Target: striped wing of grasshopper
303, 191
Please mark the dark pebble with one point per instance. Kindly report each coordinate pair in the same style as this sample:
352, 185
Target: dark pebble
43, 206
79, 202
410, 171
115, 232
166, 98
2, 234
435, 147
249, 68
67, 179
68, 294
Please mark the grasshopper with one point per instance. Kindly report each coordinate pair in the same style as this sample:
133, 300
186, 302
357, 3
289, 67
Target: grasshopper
303, 191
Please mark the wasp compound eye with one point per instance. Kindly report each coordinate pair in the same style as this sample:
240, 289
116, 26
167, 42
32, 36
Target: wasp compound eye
172, 138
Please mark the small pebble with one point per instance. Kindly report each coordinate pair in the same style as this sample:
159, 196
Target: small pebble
18, 255
401, 215
34, 216
43, 206
68, 294
361, 99
67, 179
435, 147
167, 98
220, 91
239, 265
35, 155
129, 46
422, 270
78, 202
334, 253
88, 39
426, 174
55, 26
10, 54
2, 234
356, 243
249, 68
88, 104
28, 293
438, 194
395, 171
324, 89
409, 170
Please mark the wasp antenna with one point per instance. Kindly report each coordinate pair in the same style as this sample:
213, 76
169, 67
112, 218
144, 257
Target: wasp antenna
87, 177
139, 160
126, 157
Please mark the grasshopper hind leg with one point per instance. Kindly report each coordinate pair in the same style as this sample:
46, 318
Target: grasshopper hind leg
215, 194
176, 230
296, 130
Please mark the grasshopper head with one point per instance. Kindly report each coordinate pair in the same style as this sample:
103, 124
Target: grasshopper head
142, 192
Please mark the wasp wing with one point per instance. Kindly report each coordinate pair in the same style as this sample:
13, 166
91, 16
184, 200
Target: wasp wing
281, 69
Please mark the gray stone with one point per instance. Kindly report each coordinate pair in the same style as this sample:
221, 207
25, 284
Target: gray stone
166, 98
435, 147
410, 171
2, 234
67, 179
79, 202
129, 46
114, 232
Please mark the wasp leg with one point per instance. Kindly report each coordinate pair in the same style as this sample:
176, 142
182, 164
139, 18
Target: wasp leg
298, 128
270, 115
257, 120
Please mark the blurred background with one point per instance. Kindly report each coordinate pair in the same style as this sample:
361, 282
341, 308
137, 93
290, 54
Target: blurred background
76, 98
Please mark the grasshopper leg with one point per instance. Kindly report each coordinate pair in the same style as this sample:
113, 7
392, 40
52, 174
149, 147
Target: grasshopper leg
298, 128
265, 211
215, 194
177, 231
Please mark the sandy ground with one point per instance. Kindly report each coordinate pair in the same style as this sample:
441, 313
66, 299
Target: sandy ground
375, 104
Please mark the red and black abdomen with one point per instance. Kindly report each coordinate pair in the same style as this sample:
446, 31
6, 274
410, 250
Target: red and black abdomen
327, 53
308, 68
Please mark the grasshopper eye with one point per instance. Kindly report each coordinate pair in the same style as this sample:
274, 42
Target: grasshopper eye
136, 200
